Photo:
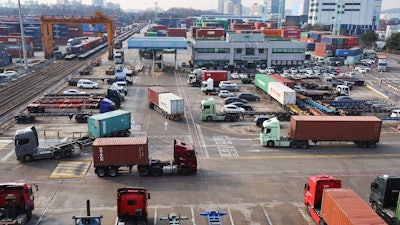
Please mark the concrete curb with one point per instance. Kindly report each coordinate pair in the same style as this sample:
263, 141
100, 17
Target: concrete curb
378, 92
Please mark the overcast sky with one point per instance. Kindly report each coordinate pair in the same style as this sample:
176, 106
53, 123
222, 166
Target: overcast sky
197, 4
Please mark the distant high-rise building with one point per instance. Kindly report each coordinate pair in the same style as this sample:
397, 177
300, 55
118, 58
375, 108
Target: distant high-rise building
231, 7
306, 7
228, 7
220, 6
98, 3
355, 16
257, 10
273, 7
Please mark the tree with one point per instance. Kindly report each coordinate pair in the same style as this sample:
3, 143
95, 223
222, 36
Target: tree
369, 38
393, 42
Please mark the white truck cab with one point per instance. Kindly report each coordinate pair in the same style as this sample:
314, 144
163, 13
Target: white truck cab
395, 113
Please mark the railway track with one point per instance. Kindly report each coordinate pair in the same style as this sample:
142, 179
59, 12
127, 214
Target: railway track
21, 91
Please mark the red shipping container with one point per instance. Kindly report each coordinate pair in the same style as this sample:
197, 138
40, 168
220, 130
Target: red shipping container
17, 53
283, 80
120, 151
177, 32
14, 39
291, 33
60, 41
210, 34
153, 92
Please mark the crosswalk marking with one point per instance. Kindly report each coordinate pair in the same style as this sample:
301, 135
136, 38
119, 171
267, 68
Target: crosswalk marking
71, 169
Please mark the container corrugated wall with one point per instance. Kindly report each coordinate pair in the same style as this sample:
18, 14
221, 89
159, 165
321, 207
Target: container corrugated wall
120, 151
171, 103
344, 207
104, 124
335, 128
153, 92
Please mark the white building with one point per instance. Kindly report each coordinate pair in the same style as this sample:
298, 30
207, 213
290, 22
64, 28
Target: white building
355, 16
247, 51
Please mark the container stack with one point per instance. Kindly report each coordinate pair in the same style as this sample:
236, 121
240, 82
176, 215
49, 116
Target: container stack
176, 32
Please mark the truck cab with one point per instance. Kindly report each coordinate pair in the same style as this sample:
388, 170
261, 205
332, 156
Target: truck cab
132, 205
26, 142
208, 112
185, 158
384, 198
395, 113
342, 90
313, 191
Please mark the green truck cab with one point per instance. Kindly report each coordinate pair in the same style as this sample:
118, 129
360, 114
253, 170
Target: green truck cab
208, 112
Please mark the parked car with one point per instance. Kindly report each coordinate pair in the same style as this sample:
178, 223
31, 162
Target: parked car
229, 100
84, 83
225, 94
300, 90
249, 96
262, 70
362, 69
246, 107
8, 73
270, 70
234, 76
232, 109
258, 120
243, 75
227, 85
73, 92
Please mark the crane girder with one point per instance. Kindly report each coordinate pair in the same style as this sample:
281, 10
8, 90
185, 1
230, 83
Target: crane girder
97, 18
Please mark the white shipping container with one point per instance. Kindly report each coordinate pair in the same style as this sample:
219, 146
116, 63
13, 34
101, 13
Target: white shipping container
282, 93
171, 103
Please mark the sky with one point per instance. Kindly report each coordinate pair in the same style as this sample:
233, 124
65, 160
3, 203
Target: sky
197, 4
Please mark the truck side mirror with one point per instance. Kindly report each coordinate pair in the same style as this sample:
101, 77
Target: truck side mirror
374, 185
148, 195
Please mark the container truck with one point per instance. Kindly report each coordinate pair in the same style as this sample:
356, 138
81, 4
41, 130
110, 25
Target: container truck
328, 203
385, 198
208, 112
27, 147
167, 104
195, 78
364, 131
382, 63
129, 213
119, 57
16, 203
116, 123
281, 93
109, 154
199, 75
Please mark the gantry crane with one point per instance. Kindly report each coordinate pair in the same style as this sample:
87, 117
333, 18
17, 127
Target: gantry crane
97, 18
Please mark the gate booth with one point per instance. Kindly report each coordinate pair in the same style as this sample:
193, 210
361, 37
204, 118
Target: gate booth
158, 46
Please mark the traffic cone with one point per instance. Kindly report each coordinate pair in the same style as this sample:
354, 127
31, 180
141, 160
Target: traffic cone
250, 130
398, 127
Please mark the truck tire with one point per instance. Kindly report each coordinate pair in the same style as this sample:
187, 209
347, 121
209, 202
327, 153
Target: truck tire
100, 171
156, 171
143, 171
184, 171
293, 144
113, 171
67, 153
371, 144
28, 158
322, 222
303, 144
209, 118
28, 215
270, 144
363, 144
57, 155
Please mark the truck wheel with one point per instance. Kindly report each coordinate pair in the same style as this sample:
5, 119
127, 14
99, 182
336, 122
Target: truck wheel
281, 117
304, 144
113, 172
270, 144
363, 144
28, 158
28, 215
293, 144
228, 118
67, 153
57, 155
374, 207
184, 171
101, 171
156, 171
372, 144
143, 171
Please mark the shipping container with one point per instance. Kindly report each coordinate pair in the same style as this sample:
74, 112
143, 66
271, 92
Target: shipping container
310, 46
216, 75
342, 52
355, 51
172, 104
351, 60
109, 123
282, 93
120, 151
210, 34
14, 39
283, 80
291, 33
335, 128
153, 93
177, 32
344, 207
262, 80
272, 32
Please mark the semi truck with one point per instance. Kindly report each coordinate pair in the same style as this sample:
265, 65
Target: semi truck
129, 213
208, 87
385, 198
110, 154
208, 112
278, 89
119, 57
330, 204
199, 75
116, 123
364, 131
16, 203
27, 147
166, 103
382, 63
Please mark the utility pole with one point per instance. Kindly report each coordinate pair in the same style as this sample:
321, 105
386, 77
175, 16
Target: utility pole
22, 36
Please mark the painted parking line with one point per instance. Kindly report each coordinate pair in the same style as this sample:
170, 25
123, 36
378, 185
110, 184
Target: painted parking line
4, 143
71, 169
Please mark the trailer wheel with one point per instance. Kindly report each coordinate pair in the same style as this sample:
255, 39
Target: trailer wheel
304, 144
281, 117
113, 172
67, 153
28, 158
156, 171
100, 171
363, 144
57, 155
270, 144
143, 171
372, 144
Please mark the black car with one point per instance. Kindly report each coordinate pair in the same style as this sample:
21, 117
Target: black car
230, 100
242, 105
249, 96
260, 119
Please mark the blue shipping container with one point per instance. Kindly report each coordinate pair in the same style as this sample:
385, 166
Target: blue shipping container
310, 46
355, 51
109, 123
342, 52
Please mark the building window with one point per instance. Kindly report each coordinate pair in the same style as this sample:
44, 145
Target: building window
261, 51
250, 51
239, 50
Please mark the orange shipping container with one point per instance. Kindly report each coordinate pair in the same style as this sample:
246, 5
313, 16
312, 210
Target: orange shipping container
272, 32
344, 207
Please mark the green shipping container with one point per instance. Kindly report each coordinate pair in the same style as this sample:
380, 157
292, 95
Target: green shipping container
305, 34
151, 34
109, 123
262, 80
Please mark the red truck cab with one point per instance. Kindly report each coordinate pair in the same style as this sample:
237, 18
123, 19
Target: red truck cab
132, 205
313, 191
16, 202
185, 158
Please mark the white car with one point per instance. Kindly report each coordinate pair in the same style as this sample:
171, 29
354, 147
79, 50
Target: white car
270, 70
73, 92
362, 69
234, 76
8, 73
232, 109
225, 94
243, 76
84, 83
261, 70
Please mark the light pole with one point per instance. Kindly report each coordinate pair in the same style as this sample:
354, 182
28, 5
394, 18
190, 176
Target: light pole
22, 36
